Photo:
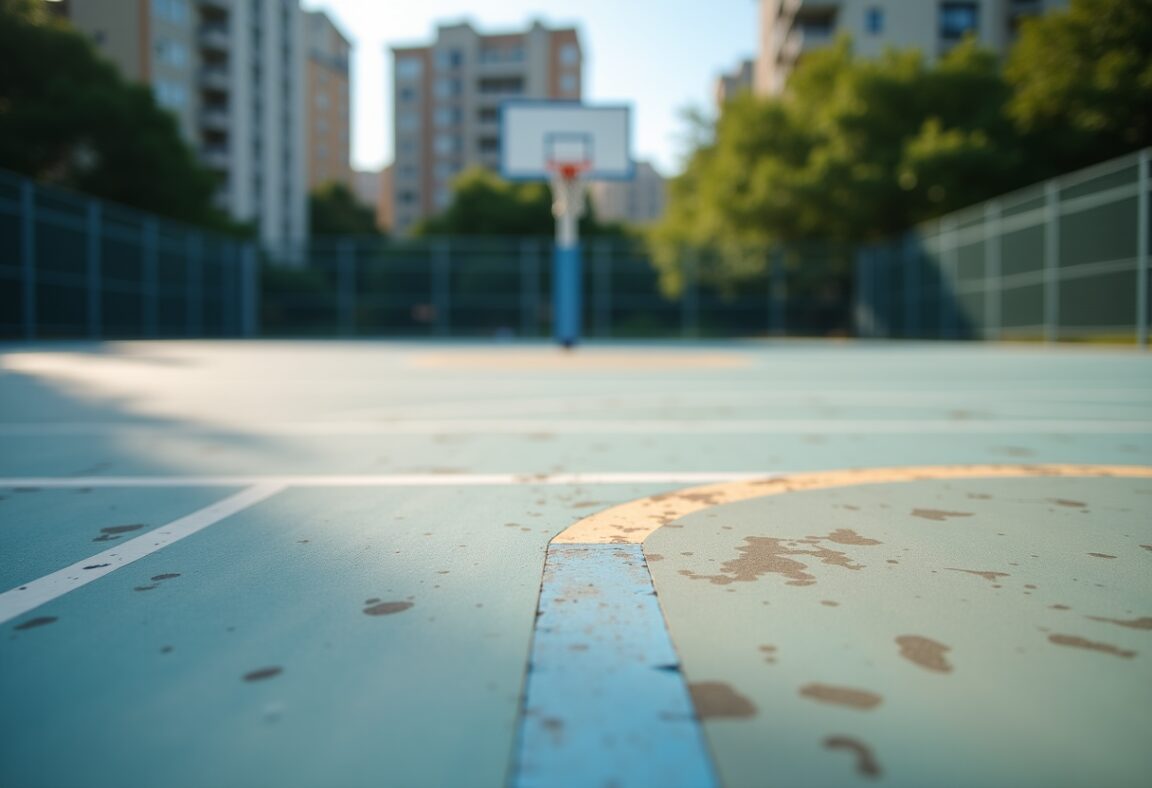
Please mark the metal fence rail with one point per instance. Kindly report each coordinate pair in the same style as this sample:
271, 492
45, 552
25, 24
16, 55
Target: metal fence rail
1062, 260
72, 266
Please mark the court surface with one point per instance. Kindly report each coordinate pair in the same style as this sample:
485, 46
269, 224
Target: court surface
794, 563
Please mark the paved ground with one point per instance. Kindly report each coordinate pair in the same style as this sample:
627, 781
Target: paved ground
301, 564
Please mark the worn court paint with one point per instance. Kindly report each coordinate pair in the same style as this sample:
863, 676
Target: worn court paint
955, 631
638, 426
605, 702
633, 522
382, 480
31, 595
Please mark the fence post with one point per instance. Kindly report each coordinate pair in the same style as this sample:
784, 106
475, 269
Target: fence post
1142, 252
28, 255
529, 289
949, 296
194, 303
689, 297
95, 305
992, 270
151, 276
861, 291
346, 277
1051, 260
250, 292
911, 285
603, 273
442, 285
777, 292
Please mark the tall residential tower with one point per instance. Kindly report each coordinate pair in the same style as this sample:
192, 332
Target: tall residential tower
447, 98
232, 72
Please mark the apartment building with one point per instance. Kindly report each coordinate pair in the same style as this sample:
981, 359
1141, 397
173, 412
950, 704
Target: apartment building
446, 101
735, 82
639, 201
789, 28
328, 100
232, 72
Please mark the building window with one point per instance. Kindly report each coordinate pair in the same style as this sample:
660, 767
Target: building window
446, 88
958, 19
488, 115
408, 121
409, 67
174, 11
874, 20
171, 53
567, 83
173, 95
447, 59
569, 54
446, 144
407, 94
447, 116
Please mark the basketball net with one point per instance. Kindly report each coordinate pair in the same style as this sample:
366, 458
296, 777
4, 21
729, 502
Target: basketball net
568, 187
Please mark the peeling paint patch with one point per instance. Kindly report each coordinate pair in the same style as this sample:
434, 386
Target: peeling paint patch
925, 652
1135, 623
848, 536
386, 608
842, 696
866, 764
763, 555
717, 699
1068, 503
113, 532
989, 576
1075, 641
1101, 555
263, 673
39, 621
939, 515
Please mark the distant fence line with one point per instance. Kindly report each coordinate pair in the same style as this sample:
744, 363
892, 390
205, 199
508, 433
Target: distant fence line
1063, 260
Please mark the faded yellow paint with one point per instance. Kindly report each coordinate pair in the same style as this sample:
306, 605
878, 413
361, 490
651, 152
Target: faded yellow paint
633, 522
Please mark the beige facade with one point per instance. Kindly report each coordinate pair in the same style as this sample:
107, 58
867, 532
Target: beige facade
447, 98
789, 28
232, 72
639, 201
328, 100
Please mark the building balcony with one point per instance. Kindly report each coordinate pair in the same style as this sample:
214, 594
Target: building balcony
215, 119
215, 38
215, 157
215, 79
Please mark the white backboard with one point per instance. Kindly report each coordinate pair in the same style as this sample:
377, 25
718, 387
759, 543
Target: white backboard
536, 132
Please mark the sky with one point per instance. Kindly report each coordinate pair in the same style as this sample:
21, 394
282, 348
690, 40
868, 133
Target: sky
660, 56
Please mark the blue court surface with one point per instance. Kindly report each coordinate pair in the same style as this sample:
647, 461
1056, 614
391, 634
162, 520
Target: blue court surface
742, 564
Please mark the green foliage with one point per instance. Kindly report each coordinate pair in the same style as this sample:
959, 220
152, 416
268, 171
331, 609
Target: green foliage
67, 117
484, 204
1082, 82
334, 210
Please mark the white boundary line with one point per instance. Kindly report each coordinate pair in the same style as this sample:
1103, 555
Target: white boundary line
386, 480
18, 601
828, 426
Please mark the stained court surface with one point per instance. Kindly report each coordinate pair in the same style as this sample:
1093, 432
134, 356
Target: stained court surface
301, 564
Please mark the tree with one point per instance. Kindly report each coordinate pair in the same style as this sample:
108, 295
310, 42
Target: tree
855, 150
1082, 81
483, 203
334, 210
68, 117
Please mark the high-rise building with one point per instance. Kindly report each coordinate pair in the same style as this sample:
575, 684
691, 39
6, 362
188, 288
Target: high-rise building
328, 101
447, 98
232, 72
737, 81
789, 28
638, 201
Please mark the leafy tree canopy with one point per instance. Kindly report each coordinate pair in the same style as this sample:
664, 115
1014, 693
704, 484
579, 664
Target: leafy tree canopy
483, 203
68, 117
1082, 81
334, 210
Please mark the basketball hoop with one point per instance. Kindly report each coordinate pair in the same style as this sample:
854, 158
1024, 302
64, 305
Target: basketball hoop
568, 187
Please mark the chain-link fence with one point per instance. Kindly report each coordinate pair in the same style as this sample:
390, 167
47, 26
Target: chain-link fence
72, 266
1062, 260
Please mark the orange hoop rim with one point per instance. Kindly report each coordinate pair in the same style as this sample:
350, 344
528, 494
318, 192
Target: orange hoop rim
569, 170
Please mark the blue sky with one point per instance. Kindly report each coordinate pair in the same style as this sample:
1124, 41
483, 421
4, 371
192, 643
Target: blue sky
658, 55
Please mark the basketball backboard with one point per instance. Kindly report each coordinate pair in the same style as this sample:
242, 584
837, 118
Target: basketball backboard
539, 137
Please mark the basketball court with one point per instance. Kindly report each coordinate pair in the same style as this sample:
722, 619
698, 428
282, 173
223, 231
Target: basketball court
760, 563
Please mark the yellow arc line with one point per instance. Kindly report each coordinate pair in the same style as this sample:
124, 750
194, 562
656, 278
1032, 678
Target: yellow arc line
633, 522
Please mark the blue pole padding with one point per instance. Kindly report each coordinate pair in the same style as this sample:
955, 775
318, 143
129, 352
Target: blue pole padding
566, 301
